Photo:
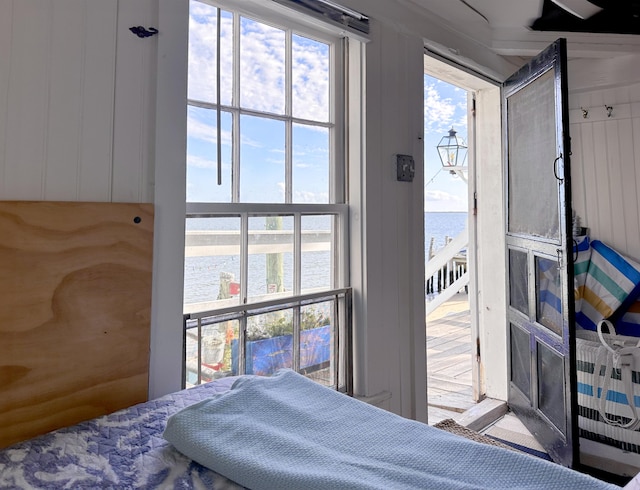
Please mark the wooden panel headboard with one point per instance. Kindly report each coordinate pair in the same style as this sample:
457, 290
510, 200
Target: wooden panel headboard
75, 306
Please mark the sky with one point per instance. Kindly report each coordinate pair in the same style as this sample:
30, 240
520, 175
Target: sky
262, 141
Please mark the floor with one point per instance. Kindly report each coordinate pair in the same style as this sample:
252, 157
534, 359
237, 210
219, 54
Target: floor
449, 388
449, 391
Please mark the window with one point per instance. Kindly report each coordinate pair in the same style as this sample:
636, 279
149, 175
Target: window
266, 224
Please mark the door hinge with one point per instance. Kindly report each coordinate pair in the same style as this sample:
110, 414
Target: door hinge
475, 203
478, 350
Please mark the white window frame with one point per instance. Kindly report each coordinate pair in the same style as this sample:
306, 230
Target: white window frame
292, 23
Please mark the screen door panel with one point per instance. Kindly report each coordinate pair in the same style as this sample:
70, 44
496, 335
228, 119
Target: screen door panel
532, 146
540, 303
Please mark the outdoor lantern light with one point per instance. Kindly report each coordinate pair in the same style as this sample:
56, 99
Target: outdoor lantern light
452, 151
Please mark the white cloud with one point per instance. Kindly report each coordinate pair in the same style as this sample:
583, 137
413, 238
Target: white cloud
206, 132
438, 112
437, 200
262, 54
194, 161
441, 112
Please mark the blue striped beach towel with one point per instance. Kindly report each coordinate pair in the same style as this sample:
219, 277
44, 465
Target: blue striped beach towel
612, 281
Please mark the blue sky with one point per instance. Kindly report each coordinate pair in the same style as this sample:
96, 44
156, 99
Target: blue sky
262, 141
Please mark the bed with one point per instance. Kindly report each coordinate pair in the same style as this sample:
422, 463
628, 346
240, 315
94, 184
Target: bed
283, 431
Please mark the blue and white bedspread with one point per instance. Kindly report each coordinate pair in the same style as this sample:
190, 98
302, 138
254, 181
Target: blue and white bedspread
287, 432
123, 450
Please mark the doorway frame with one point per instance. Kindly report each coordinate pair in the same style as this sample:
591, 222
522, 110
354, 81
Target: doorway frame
487, 217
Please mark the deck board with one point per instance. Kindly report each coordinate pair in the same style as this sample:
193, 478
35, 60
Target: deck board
449, 390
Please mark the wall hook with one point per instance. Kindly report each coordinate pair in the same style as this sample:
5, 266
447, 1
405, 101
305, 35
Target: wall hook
142, 32
585, 113
609, 110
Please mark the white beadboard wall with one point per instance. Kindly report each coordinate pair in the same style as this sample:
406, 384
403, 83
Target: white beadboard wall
77, 97
605, 165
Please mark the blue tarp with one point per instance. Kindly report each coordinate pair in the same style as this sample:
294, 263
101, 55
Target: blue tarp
265, 357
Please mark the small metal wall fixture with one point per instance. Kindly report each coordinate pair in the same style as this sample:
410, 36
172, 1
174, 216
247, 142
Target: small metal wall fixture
142, 32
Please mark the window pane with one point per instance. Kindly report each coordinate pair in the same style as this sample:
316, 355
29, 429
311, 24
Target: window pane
317, 354
262, 67
216, 342
520, 360
212, 262
270, 271
269, 343
203, 52
310, 164
310, 70
518, 281
551, 386
549, 294
262, 168
317, 252
202, 156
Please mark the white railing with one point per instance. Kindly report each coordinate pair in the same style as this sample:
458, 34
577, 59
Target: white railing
446, 272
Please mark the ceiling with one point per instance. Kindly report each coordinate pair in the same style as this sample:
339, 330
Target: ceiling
520, 27
595, 16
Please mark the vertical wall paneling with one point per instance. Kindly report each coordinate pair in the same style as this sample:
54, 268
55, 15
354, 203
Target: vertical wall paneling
612, 128
371, 326
577, 171
134, 102
57, 61
62, 136
602, 183
6, 9
605, 165
27, 105
628, 186
96, 117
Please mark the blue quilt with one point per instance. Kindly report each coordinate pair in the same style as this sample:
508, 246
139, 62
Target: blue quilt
287, 432
124, 450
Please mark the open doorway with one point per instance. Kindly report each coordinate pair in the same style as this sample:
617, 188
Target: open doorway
467, 358
446, 217
485, 255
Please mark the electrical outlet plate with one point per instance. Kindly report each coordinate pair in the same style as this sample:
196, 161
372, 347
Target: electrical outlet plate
405, 168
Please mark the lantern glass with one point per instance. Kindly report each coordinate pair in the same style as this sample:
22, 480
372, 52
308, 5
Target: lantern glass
452, 150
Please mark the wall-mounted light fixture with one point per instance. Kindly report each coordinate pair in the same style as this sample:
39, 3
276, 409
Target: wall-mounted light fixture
453, 151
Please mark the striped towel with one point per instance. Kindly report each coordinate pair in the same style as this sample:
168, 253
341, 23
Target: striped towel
612, 281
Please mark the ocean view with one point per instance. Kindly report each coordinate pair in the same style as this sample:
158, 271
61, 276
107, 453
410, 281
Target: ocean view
202, 273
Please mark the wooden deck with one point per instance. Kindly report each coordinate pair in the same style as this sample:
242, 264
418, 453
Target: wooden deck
449, 391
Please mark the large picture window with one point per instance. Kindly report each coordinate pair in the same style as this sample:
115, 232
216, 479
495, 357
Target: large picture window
266, 224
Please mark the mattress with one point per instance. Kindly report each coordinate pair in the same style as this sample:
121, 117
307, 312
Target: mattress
123, 450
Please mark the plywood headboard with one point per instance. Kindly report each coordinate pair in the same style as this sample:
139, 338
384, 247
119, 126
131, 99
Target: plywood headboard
75, 302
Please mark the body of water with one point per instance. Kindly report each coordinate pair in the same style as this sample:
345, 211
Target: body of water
202, 274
